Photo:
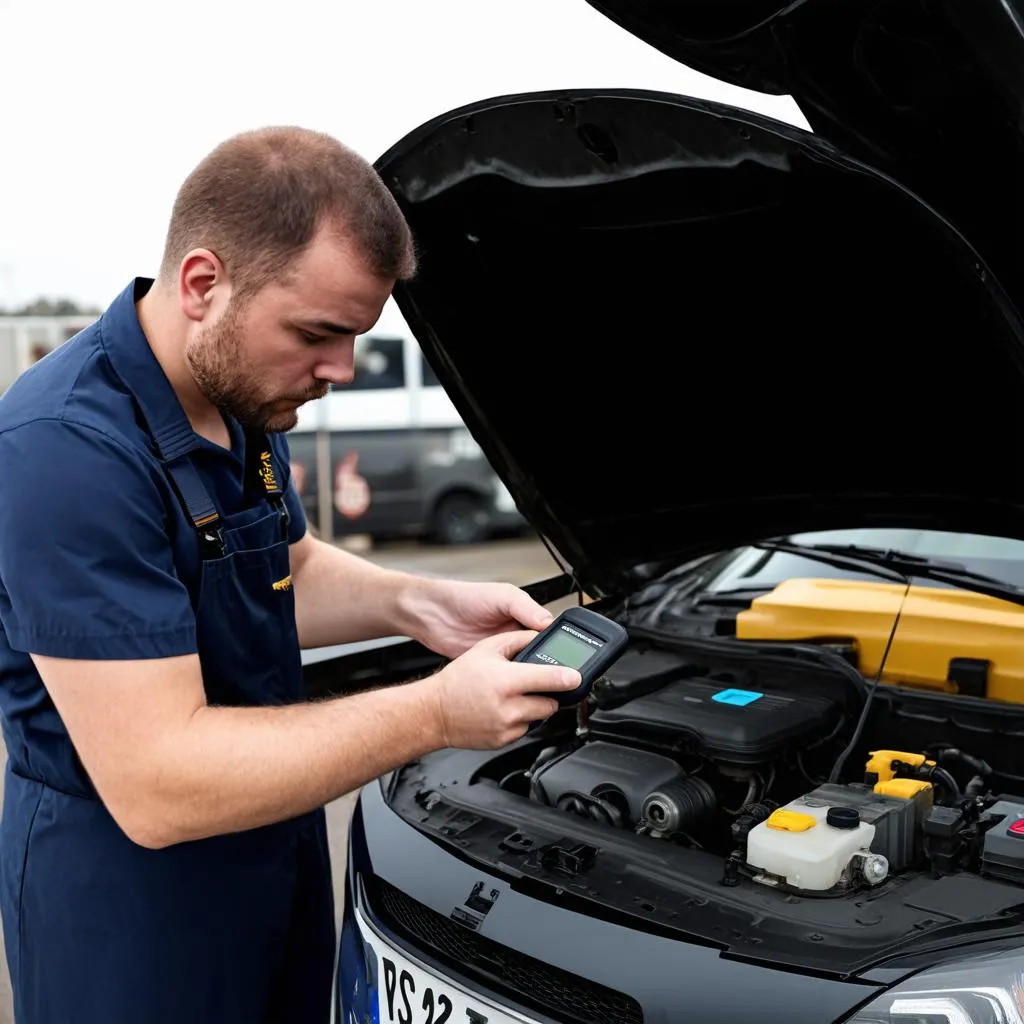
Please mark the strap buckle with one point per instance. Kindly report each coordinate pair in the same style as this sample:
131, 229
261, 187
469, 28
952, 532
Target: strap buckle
286, 517
211, 542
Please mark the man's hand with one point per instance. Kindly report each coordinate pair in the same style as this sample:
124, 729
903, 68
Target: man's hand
486, 701
450, 616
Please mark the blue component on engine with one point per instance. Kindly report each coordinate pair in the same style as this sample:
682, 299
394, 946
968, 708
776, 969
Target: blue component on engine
738, 698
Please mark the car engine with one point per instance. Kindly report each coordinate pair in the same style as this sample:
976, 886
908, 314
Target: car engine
716, 760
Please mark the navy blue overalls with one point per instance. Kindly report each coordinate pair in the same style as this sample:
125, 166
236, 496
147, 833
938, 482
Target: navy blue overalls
236, 928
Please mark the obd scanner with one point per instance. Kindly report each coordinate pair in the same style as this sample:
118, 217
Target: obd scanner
579, 638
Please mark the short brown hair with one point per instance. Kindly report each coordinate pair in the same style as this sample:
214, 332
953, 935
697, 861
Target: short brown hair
258, 199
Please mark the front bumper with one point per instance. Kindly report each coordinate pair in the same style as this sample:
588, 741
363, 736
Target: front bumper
534, 960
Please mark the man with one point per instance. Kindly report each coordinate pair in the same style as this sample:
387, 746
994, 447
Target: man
163, 854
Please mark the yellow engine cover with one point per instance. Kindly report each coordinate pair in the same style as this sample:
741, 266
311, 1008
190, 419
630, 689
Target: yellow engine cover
935, 627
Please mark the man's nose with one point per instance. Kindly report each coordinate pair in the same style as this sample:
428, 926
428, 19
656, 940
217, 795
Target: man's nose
337, 366
334, 373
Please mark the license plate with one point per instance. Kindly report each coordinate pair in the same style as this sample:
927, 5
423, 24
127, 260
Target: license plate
408, 994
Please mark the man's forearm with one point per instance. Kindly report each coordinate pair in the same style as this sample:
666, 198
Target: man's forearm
232, 769
340, 597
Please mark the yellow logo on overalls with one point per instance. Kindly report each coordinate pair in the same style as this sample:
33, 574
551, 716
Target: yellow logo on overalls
285, 584
267, 472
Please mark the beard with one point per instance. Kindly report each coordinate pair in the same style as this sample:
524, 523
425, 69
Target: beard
225, 375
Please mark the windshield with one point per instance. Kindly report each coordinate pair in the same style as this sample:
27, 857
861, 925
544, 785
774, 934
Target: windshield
999, 557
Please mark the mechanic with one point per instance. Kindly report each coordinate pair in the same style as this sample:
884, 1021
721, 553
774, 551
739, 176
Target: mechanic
163, 851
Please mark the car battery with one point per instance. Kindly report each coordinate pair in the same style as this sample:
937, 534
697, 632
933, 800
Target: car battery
896, 818
1002, 855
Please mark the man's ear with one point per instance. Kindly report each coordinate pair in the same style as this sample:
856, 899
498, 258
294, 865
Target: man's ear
201, 279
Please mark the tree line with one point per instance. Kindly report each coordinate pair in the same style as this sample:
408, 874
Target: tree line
50, 307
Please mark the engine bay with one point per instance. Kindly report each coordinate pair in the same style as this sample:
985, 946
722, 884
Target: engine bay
707, 783
718, 760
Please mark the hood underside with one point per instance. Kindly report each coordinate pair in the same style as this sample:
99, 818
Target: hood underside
929, 91
674, 326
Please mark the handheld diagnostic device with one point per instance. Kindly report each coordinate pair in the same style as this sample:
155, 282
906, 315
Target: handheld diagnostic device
579, 638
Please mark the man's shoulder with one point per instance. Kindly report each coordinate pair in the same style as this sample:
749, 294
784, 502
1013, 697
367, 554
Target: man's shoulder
71, 394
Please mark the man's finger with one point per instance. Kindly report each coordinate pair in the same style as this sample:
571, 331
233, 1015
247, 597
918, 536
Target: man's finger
547, 679
535, 709
524, 609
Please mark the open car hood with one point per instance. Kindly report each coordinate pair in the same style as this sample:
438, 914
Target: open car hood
929, 91
675, 326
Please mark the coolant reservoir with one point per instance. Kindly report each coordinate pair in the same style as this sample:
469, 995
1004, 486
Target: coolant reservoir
808, 844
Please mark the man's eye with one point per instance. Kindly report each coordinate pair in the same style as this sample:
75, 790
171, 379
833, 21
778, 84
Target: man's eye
311, 339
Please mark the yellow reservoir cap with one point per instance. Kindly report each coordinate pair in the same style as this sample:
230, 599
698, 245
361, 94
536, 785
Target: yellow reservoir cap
790, 821
906, 789
881, 762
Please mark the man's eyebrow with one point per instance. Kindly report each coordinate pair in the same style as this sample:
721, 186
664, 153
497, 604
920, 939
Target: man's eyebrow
330, 328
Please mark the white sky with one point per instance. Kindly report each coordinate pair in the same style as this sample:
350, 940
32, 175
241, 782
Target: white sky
106, 105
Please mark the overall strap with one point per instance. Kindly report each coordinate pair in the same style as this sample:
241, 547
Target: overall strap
263, 474
175, 440
161, 411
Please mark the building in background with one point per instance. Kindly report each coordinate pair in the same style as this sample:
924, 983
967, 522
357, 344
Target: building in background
24, 340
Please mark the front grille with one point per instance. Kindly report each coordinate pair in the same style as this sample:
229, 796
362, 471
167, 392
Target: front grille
531, 982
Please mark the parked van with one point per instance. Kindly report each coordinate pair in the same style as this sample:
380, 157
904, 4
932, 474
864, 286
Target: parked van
401, 461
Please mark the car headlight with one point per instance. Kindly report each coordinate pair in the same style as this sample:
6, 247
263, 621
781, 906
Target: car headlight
987, 989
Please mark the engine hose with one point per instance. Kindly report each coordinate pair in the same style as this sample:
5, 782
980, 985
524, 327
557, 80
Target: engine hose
678, 805
748, 799
976, 765
511, 775
589, 807
930, 772
975, 787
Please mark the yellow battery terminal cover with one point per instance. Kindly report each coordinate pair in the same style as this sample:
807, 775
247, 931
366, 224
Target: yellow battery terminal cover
881, 762
906, 789
790, 821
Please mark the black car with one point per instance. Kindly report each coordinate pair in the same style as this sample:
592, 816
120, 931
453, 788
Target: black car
762, 392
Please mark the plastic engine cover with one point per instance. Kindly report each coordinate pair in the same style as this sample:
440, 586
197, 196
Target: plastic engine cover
618, 775
740, 727
639, 671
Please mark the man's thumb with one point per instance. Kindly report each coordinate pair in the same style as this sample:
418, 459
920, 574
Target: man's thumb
508, 645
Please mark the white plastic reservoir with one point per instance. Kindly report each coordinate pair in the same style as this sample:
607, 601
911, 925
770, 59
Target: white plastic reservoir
798, 844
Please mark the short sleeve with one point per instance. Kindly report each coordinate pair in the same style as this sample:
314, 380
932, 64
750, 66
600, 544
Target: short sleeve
296, 513
86, 562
